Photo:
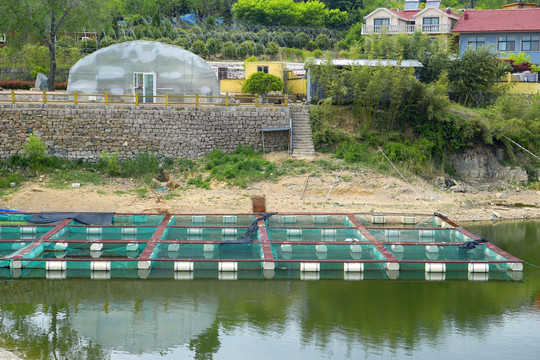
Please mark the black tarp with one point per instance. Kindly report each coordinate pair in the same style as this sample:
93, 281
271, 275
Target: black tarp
86, 218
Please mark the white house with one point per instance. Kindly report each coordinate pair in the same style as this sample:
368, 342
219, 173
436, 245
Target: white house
430, 20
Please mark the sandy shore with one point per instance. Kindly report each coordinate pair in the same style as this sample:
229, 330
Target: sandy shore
358, 191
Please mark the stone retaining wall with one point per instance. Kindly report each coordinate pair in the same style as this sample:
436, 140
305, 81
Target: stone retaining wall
84, 131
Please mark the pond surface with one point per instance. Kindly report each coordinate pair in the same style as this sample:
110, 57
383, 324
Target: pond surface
287, 319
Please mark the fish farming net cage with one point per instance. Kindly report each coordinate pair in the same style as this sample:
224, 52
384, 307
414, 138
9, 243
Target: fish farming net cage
350, 246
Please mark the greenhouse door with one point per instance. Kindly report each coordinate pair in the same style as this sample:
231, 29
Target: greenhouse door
145, 86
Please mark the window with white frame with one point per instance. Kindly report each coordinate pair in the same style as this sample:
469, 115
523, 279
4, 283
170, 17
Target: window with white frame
430, 21
530, 43
380, 23
506, 43
430, 24
476, 42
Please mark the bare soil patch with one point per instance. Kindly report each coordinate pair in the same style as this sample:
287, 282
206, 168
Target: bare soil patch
355, 191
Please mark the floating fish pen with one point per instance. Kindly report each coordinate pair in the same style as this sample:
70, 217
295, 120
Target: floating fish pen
350, 246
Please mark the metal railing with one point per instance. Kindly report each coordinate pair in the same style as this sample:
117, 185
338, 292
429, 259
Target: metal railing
406, 29
136, 99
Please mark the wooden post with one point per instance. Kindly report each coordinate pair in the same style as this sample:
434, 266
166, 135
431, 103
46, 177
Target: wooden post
136, 98
197, 99
75, 100
259, 204
13, 96
226, 99
257, 101
106, 98
166, 99
44, 96
286, 101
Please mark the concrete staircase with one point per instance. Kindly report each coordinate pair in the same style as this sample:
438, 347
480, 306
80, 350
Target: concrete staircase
301, 129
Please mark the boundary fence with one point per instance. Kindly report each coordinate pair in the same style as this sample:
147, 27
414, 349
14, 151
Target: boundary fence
106, 98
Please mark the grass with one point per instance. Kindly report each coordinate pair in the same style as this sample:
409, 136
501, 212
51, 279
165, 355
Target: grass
64, 178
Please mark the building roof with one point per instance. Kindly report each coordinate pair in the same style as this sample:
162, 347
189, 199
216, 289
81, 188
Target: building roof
497, 20
367, 62
406, 14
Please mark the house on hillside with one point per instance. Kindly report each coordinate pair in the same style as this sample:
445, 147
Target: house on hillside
505, 30
431, 20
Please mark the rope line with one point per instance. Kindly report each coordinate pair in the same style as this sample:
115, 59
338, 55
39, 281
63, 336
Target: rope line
522, 147
400, 174
359, 137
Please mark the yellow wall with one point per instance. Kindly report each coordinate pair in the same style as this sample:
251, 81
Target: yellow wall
274, 68
295, 85
525, 88
230, 86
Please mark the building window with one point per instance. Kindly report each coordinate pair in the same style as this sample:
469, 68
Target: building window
430, 24
530, 43
263, 69
506, 43
380, 23
476, 42
430, 21
223, 73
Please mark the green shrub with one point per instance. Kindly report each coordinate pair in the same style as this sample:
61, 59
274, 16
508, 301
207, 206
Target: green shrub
109, 163
240, 168
35, 150
40, 69
199, 182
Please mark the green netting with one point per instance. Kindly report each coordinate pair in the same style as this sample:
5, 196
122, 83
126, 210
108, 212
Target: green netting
84, 250
309, 221
207, 251
443, 253
421, 235
324, 252
324, 234
105, 233
212, 220
137, 219
205, 234
23, 232
403, 221
15, 217
9, 248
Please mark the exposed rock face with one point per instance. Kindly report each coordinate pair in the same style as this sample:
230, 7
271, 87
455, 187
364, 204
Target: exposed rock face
482, 163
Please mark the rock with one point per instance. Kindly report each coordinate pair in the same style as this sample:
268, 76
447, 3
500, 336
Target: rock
41, 82
457, 188
501, 196
440, 183
164, 176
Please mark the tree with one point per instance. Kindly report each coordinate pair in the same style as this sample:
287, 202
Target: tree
261, 84
475, 76
44, 19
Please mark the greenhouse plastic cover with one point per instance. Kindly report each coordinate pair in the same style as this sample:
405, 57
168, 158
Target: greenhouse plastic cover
177, 71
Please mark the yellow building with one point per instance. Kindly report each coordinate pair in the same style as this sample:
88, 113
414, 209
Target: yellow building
294, 84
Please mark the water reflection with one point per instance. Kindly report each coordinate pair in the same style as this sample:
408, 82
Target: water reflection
208, 318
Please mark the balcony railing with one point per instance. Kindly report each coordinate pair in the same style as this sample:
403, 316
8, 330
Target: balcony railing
406, 29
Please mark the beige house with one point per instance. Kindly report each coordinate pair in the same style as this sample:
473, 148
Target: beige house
430, 20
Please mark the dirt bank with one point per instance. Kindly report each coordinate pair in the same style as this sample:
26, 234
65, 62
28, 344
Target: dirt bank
355, 191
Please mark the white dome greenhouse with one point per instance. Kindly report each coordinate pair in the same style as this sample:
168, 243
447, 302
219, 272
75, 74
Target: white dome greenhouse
146, 69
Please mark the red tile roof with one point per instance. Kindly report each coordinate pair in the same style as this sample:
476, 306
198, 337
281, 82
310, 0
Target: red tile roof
498, 20
407, 14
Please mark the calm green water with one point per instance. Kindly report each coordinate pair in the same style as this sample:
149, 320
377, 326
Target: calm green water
282, 319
